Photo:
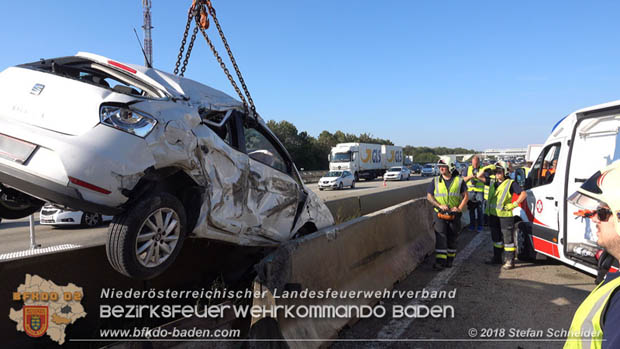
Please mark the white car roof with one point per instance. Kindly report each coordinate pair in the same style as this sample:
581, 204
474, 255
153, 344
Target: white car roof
175, 86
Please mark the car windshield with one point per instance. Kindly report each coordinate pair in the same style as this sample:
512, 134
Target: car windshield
334, 174
342, 157
428, 166
395, 169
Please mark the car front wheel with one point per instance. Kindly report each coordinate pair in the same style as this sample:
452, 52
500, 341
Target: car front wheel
146, 239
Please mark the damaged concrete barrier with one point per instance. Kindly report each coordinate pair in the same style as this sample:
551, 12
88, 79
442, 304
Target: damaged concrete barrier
369, 253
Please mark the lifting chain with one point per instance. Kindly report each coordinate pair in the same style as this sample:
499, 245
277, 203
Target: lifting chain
198, 12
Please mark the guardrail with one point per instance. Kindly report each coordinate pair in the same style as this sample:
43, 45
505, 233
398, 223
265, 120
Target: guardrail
369, 253
312, 176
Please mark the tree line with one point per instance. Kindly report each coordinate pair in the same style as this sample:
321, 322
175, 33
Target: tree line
311, 153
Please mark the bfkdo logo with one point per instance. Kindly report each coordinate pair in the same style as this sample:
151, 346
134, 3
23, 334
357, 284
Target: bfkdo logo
47, 307
35, 320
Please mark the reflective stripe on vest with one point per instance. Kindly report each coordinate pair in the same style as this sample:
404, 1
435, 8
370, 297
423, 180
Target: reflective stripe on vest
452, 197
499, 197
486, 187
586, 330
474, 184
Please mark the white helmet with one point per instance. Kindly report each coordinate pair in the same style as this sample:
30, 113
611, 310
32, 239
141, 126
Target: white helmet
501, 165
445, 161
603, 186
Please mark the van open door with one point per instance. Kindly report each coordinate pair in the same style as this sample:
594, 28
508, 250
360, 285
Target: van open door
595, 143
544, 186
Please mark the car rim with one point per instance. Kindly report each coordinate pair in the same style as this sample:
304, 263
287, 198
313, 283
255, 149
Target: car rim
157, 238
91, 219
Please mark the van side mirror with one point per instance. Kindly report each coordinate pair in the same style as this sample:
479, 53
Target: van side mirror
354, 156
329, 157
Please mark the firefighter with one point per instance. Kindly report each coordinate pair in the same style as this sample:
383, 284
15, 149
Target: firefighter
475, 189
499, 208
448, 195
597, 320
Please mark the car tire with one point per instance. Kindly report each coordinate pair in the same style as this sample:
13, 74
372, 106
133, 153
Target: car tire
353, 185
8, 210
90, 220
340, 186
149, 220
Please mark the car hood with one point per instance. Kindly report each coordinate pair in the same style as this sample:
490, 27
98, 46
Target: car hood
392, 172
328, 178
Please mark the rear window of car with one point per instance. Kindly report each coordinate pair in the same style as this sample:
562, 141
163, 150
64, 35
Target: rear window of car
84, 70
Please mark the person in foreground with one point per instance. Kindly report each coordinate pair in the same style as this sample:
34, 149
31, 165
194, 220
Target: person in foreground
596, 323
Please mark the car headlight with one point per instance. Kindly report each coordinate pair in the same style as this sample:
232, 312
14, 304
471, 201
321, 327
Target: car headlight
125, 119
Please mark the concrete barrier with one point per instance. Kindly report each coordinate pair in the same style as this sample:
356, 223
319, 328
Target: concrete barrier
367, 253
312, 176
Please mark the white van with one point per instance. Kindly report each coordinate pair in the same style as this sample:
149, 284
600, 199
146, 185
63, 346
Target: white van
579, 145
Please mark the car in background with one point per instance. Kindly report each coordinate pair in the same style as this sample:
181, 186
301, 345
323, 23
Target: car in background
399, 173
430, 170
416, 168
337, 180
58, 216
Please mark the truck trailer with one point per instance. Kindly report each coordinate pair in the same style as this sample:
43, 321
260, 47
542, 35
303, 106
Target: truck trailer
365, 160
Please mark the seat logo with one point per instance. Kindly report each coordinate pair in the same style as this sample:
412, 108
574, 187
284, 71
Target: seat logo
37, 89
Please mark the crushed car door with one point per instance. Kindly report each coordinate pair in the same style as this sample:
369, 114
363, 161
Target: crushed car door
273, 192
226, 167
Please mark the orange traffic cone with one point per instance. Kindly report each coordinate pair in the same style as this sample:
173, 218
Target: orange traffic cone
384, 182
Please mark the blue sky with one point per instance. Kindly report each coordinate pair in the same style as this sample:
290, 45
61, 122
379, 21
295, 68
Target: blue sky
475, 74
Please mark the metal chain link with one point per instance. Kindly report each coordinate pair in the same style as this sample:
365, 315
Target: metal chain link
193, 12
225, 69
189, 51
232, 59
180, 56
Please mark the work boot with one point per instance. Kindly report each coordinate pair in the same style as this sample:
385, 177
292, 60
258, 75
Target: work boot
438, 266
440, 263
479, 228
509, 264
497, 256
449, 262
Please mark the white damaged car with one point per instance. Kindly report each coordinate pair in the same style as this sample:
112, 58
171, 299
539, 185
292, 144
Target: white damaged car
166, 156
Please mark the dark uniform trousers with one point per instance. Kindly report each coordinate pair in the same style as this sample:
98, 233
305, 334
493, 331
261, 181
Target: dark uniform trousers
446, 233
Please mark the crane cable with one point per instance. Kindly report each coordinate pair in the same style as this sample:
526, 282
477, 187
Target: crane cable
200, 11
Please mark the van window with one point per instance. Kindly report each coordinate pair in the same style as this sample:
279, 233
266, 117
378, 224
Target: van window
543, 171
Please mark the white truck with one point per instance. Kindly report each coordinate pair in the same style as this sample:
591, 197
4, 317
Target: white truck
365, 160
579, 145
533, 150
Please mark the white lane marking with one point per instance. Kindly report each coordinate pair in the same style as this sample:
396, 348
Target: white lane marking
397, 327
27, 253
